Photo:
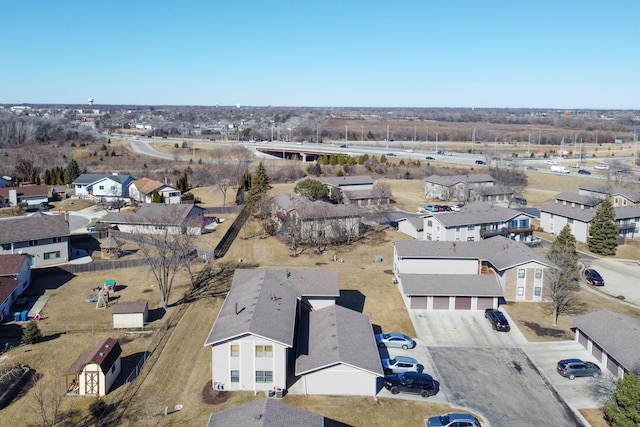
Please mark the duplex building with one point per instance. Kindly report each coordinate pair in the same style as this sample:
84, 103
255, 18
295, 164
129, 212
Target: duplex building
456, 187
439, 275
44, 237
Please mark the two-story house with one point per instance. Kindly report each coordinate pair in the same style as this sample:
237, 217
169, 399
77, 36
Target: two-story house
44, 237
456, 187
15, 278
620, 196
273, 319
439, 275
141, 190
476, 221
101, 187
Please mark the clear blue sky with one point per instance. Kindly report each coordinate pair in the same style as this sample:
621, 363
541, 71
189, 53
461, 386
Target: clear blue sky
423, 53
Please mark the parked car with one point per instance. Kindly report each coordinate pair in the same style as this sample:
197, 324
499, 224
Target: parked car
444, 208
410, 382
394, 225
400, 364
395, 339
458, 207
571, 368
429, 158
584, 172
457, 419
593, 277
431, 208
93, 227
498, 321
519, 200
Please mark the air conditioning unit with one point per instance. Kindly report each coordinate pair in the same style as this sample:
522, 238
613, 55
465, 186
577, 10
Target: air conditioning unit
394, 281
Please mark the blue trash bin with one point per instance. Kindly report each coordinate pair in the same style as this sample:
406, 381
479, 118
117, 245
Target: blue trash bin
16, 316
25, 315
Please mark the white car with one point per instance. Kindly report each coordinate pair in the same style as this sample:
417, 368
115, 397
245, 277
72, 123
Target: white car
400, 364
602, 167
551, 162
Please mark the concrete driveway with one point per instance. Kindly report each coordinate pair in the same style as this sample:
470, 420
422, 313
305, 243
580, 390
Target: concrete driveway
462, 329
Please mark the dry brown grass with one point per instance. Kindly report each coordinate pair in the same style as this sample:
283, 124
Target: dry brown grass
595, 417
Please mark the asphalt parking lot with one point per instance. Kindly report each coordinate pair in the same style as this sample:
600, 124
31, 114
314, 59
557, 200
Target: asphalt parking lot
502, 385
500, 375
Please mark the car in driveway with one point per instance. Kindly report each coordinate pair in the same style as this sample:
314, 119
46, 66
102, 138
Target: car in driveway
400, 364
431, 208
395, 339
593, 277
410, 382
453, 419
93, 227
571, 368
498, 320
584, 172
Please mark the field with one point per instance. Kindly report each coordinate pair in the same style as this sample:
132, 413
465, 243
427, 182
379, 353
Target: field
179, 371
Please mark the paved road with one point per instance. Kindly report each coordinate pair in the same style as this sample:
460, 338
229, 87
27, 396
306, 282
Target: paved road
621, 278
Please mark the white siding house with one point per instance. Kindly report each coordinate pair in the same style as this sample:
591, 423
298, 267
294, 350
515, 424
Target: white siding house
100, 187
15, 278
158, 218
141, 190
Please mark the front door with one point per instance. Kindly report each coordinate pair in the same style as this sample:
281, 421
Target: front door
92, 382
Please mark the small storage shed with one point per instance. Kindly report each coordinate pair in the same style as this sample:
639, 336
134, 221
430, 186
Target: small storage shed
95, 371
132, 314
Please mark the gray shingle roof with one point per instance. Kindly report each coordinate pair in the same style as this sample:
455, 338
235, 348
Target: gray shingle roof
154, 213
33, 227
416, 221
501, 252
617, 334
339, 181
626, 212
580, 199
449, 180
265, 413
451, 284
568, 211
90, 178
337, 335
263, 303
611, 190
477, 213
308, 210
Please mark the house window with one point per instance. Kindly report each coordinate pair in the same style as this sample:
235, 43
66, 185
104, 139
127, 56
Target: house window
50, 255
264, 376
235, 350
537, 291
520, 291
429, 237
521, 273
570, 220
6, 246
264, 351
471, 227
538, 273
33, 243
429, 223
235, 376
101, 187
470, 239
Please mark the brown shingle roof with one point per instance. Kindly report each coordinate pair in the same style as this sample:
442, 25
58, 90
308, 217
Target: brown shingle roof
11, 264
104, 354
7, 286
26, 191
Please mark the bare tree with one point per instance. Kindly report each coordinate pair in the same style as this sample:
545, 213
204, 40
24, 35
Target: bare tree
291, 232
167, 247
48, 395
561, 282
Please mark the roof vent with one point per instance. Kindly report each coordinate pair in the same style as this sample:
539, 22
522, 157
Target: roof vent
106, 346
101, 354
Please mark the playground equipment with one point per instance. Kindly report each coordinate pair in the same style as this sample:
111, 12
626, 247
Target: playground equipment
101, 298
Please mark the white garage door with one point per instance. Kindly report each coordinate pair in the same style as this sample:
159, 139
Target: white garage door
441, 303
463, 303
419, 302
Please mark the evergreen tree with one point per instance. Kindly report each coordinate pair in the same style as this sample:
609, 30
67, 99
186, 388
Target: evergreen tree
259, 187
603, 230
312, 189
31, 333
47, 177
71, 172
623, 407
183, 183
156, 197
